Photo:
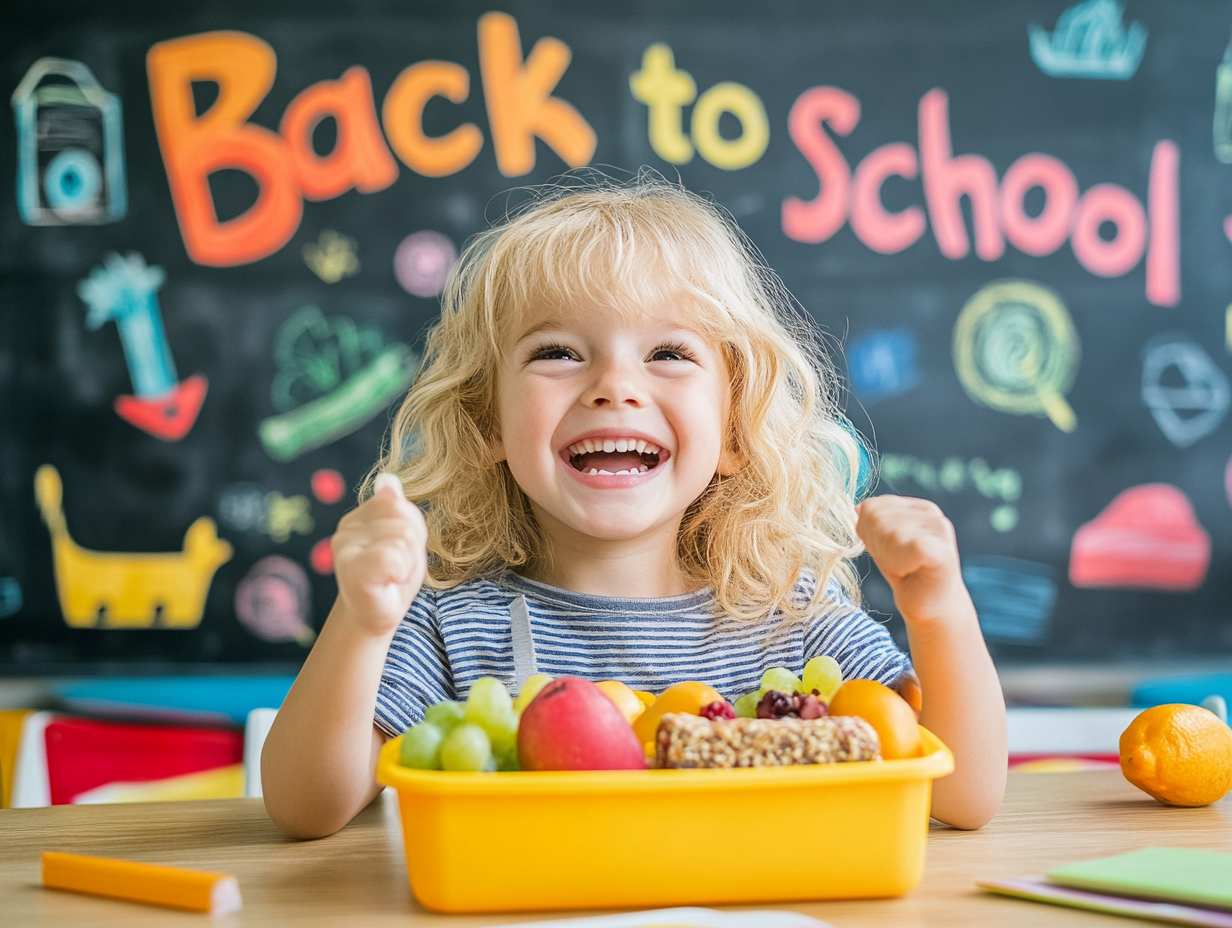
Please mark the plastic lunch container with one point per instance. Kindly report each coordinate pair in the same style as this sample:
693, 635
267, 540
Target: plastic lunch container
501, 842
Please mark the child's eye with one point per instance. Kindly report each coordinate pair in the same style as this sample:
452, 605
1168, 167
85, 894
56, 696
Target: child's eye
672, 352
553, 353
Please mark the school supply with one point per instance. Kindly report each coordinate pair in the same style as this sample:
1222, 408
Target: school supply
175, 887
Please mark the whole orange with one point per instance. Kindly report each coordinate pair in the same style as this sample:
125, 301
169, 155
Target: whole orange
1178, 754
888, 713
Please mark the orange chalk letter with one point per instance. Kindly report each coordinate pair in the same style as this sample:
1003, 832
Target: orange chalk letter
359, 159
402, 116
193, 147
520, 104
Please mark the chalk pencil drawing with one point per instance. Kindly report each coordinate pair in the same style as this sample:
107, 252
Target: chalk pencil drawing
1014, 598
955, 475
1148, 537
883, 363
333, 377
103, 589
1016, 351
124, 291
70, 147
10, 597
1222, 128
332, 256
273, 601
1185, 391
1089, 41
423, 261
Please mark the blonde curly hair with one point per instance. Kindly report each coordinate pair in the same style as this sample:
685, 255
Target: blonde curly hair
786, 512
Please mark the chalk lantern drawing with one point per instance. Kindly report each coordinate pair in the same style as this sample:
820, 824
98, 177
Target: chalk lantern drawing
344, 371
100, 589
1191, 410
70, 147
124, 290
1089, 41
1016, 351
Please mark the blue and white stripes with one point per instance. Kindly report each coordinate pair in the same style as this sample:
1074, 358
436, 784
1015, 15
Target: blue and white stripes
450, 638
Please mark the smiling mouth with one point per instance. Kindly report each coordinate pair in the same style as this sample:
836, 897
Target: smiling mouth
614, 457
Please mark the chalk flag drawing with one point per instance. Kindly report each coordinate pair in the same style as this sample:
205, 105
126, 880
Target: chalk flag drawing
882, 363
1013, 598
1190, 410
1222, 129
1147, 538
10, 597
273, 601
954, 476
124, 290
1016, 351
423, 261
70, 147
332, 256
113, 590
1089, 41
341, 374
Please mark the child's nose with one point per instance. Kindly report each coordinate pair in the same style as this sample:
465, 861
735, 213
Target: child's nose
616, 383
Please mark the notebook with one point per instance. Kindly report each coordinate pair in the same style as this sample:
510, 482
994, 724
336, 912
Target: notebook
1170, 874
1038, 890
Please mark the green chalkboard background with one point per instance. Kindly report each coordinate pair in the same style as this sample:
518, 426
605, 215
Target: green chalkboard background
127, 491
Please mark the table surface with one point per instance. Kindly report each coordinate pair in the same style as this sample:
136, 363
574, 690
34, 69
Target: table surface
1048, 819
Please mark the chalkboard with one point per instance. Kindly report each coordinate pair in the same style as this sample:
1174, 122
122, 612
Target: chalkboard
224, 229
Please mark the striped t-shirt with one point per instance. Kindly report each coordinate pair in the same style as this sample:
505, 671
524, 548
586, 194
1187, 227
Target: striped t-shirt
450, 638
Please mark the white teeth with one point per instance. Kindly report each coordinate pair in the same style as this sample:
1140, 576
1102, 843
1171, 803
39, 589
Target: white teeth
609, 446
622, 445
593, 472
590, 445
640, 446
642, 468
606, 473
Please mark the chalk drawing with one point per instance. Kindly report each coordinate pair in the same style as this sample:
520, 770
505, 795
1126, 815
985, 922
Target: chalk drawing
333, 377
1016, 351
113, 590
70, 147
1013, 598
10, 597
1227, 481
423, 261
882, 363
273, 601
284, 515
955, 475
332, 256
328, 486
1147, 538
124, 291
1089, 41
1227, 327
241, 506
1191, 409
1222, 129
322, 556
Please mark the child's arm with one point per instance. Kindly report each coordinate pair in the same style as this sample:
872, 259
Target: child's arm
913, 544
319, 759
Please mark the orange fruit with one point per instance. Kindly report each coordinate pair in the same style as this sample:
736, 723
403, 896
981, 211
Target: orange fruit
690, 697
646, 698
888, 713
625, 699
1178, 754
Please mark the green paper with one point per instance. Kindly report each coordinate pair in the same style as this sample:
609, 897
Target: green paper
1174, 874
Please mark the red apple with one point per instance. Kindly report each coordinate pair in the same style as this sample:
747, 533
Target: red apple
571, 725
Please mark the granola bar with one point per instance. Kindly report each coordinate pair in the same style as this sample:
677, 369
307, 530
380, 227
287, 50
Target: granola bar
684, 740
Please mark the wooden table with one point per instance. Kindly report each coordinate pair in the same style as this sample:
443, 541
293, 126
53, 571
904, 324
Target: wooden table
358, 876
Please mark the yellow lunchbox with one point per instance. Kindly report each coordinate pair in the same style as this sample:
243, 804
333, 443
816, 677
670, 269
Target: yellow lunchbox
625, 838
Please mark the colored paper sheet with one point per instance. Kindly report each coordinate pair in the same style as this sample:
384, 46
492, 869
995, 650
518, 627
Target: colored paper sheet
1173, 874
1038, 890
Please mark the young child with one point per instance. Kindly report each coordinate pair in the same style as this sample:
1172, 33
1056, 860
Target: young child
632, 467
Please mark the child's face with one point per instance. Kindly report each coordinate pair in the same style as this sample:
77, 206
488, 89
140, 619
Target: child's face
575, 383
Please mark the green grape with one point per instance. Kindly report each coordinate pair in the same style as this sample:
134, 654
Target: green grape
488, 704
530, 689
781, 679
489, 765
746, 705
508, 760
823, 674
444, 715
466, 748
421, 747
503, 733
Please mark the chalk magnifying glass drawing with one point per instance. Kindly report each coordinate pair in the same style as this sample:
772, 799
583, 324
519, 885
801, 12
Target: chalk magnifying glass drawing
1016, 351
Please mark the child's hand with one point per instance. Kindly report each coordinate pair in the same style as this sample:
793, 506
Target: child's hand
380, 558
913, 544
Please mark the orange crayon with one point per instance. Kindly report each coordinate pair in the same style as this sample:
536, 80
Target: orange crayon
195, 890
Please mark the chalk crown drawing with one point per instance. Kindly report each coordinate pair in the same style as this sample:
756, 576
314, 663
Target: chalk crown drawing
1089, 41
